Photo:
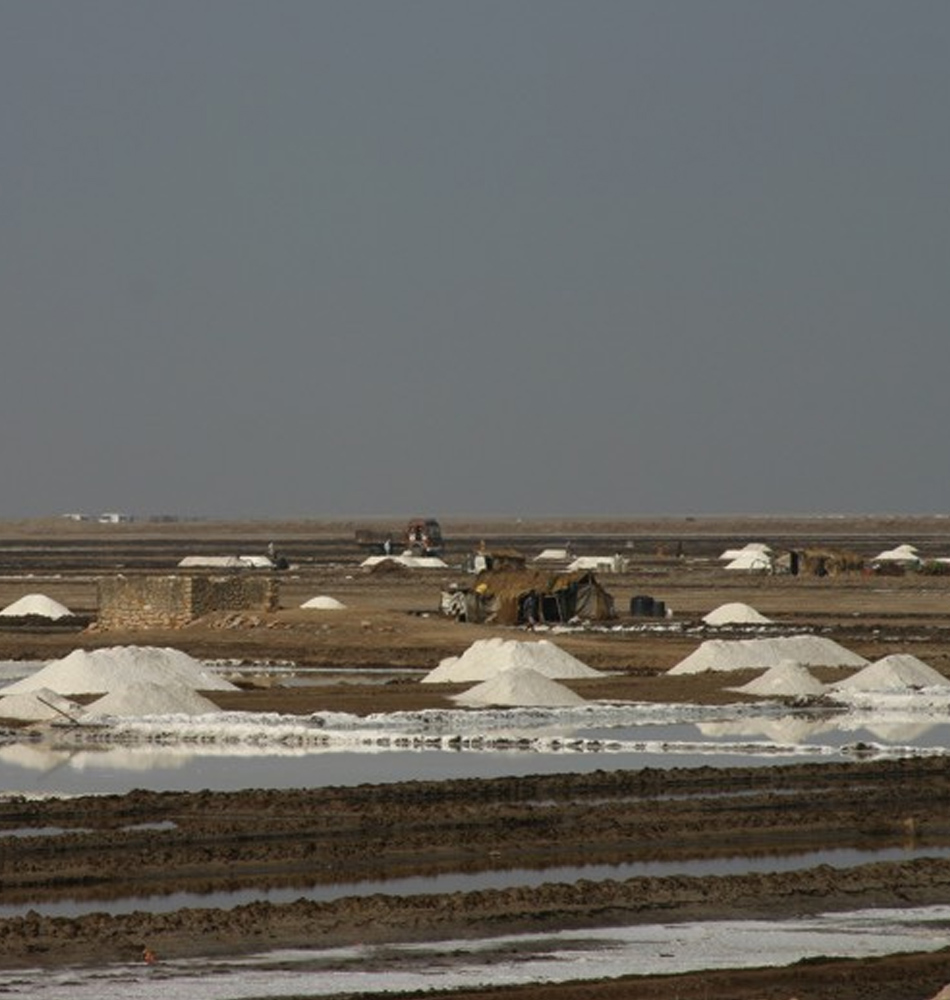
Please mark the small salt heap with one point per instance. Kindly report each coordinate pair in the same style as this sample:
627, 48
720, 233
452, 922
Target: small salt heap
324, 603
519, 686
893, 673
36, 604
487, 657
745, 654
788, 679
37, 706
735, 613
149, 698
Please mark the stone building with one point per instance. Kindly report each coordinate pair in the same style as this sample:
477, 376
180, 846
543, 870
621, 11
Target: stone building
171, 601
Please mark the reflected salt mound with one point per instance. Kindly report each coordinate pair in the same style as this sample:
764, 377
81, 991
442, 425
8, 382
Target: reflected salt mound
785, 729
34, 756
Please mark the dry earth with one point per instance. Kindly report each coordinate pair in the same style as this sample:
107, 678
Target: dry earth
311, 836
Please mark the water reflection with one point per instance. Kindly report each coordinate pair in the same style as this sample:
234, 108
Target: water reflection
479, 881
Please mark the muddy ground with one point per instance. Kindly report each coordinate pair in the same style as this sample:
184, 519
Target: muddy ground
261, 838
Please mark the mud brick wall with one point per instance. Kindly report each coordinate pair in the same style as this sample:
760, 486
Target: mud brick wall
155, 602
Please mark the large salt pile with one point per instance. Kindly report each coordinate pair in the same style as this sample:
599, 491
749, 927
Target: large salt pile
487, 657
149, 698
746, 654
519, 686
735, 613
788, 679
103, 670
324, 603
36, 604
36, 706
895, 672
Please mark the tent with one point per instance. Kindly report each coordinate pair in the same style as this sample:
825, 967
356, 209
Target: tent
517, 597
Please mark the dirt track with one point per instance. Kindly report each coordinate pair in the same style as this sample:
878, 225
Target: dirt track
261, 838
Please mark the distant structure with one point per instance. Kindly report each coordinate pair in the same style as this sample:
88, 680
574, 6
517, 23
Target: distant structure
149, 602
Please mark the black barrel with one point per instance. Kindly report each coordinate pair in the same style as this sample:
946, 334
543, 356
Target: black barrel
641, 605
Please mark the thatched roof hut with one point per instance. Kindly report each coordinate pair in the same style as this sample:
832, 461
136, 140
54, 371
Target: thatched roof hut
527, 596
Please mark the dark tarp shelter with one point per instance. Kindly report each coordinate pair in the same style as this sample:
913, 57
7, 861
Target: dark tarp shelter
529, 596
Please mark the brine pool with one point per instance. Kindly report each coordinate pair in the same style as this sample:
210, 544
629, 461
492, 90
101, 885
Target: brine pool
230, 751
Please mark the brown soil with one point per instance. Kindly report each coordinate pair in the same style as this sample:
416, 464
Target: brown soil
261, 838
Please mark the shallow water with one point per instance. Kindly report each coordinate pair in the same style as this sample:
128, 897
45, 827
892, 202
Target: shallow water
651, 949
233, 751
478, 881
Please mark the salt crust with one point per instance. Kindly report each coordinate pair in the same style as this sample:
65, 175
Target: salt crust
519, 686
104, 670
36, 706
746, 654
149, 698
786, 679
324, 603
36, 604
899, 670
487, 657
735, 613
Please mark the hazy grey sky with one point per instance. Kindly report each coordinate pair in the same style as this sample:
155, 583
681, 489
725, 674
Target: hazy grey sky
521, 257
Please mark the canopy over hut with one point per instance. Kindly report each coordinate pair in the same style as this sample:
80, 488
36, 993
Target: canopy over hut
530, 596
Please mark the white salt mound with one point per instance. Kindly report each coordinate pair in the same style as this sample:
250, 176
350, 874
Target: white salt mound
735, 613
103, 670
786, 679
413, 562
36, 604
149, 698
746, 654
900, 553
37, 706
900, 670
324, 603
519, 686
759, 548
753, 561
487, 657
